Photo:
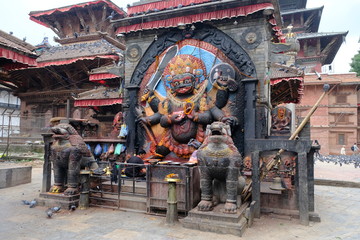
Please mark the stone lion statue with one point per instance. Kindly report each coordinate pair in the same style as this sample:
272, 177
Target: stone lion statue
69, 154
219, 161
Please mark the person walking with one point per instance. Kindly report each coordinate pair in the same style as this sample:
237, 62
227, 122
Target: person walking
343, 151
355, 148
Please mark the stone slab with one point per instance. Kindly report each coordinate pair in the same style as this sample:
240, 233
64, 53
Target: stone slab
58, 199
217, 221
13, 176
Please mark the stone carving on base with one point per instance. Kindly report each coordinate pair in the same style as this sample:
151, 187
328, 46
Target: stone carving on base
219, 161
69, 154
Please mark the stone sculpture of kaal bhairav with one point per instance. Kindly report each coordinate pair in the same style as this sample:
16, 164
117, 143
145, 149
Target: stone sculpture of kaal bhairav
69, 154
218, 159
188, 108
185, 110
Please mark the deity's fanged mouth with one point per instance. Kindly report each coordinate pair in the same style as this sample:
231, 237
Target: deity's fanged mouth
216, 132
184, 82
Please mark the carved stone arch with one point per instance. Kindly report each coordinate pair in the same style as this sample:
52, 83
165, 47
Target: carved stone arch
205, 33
228, 47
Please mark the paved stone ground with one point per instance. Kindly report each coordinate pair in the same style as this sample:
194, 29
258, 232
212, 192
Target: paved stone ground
331, 171
338, 207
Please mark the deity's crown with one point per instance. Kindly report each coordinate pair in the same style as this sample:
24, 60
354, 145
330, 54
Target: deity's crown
184, 63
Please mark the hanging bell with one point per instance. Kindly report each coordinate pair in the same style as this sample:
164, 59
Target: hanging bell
276, 185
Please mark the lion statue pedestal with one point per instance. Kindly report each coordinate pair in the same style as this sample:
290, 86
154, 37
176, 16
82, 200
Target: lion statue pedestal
220, 209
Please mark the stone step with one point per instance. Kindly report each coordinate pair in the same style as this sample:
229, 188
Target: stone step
218, 215
52, 200
218, 221
209, 225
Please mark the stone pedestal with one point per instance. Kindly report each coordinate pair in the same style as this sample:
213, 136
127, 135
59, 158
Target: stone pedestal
217, 221
58, 199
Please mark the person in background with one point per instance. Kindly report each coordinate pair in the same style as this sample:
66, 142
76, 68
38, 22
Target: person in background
355, 148
135, 170
342, 151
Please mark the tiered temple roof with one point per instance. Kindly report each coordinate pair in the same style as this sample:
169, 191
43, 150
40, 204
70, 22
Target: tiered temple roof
14, 54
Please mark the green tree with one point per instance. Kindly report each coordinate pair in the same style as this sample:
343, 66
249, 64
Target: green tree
355, 64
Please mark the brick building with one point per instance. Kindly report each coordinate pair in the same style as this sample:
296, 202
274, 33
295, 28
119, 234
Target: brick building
336, 122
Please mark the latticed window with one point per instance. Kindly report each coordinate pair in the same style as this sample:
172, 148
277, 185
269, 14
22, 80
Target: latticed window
341, 139
341, 118
341, 99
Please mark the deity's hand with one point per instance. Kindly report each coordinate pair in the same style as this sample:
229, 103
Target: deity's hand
177, 116
231, 120
193, 116
142, 120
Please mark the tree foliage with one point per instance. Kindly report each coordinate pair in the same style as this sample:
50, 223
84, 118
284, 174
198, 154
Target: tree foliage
355, 64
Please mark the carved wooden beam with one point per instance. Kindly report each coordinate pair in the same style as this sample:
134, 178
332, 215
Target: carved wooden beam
326, 50
81, 19
93, 18
44, 84
6, 84
35, 82
68, 22
21, 79
59, 27
309, 20
70, 76
103, 18
84, 67
54, 73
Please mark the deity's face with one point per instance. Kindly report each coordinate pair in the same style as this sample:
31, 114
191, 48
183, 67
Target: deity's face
281, 113
183, 84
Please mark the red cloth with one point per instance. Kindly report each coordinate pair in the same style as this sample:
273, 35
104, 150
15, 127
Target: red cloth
161, 5
173, 22
65, 62
97, 102
8, 54
101, 76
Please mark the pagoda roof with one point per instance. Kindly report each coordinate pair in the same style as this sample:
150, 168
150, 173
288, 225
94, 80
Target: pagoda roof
155, 6
312, 17
15, 54
76, 22
292, 11
35, 15
91, 37
320, 34
286, 84
189, 14
292, 4
100, 96
21, 46
329, 43
78, 51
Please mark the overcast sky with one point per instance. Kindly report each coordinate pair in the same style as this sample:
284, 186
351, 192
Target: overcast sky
338, 16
